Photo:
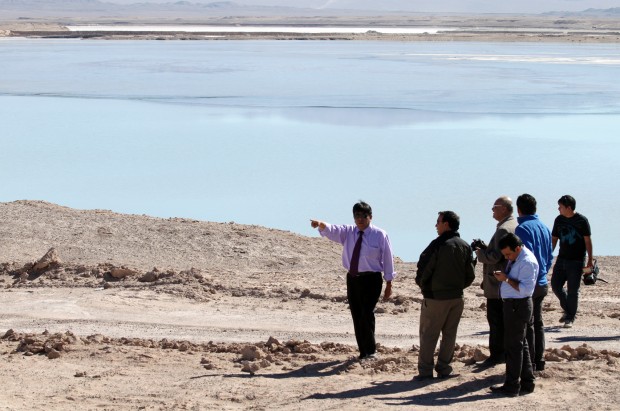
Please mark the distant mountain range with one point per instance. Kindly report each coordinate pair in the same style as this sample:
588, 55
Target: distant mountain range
185, 9
612, 12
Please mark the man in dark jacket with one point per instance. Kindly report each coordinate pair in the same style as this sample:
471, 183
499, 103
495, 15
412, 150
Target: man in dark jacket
445, 269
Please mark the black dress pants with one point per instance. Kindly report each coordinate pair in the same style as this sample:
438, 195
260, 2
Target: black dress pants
495, 317
363, 292
536, 329
517, 316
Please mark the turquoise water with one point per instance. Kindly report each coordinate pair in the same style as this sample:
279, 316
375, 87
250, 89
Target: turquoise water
277, 132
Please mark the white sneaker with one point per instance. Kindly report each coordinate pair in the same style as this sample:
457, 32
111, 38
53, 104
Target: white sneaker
568, 324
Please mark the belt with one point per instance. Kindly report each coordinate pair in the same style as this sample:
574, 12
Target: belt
362, 274
515, 299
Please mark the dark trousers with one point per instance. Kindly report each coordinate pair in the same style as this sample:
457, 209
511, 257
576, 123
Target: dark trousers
363, 292
517, 316
536, 328
567, 272
495, 317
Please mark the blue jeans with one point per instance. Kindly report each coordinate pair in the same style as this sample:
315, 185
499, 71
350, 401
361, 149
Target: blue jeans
567, 272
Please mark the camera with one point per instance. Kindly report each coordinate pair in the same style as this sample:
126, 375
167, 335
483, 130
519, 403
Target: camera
478, 243
591, 274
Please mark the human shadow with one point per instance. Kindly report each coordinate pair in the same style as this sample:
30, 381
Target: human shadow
386, 390
554, 329
481, 366
314, 370
581, 338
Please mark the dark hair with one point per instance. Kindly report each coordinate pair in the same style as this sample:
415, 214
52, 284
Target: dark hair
510, 240
362, 207
526, 204
450, 217
568, 201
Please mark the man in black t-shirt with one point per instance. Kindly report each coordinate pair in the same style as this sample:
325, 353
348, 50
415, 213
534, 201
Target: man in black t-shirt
573, 232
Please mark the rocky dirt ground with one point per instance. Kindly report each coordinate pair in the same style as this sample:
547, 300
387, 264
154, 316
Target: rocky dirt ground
109, 311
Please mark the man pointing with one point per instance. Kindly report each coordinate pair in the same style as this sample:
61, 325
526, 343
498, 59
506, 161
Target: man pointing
366, 253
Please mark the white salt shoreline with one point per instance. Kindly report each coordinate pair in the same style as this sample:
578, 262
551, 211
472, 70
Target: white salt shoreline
257, 29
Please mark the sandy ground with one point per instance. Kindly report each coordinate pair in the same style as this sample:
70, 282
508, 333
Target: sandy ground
133, 312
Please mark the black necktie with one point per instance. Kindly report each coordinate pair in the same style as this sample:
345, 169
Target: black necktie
355, 257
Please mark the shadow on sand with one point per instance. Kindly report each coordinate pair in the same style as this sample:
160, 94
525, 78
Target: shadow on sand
386, 390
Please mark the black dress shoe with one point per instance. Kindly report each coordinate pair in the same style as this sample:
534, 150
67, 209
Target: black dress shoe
503, 390
491, 362
423, 378
527, 389
446, 376
539, 366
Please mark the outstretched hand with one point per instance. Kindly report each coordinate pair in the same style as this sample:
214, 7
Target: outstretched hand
316, 223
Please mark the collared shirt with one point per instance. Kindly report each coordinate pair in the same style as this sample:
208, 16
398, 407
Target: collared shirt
376, 251
537, 237
523, 270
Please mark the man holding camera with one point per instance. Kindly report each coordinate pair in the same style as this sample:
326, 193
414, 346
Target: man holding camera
572, 230
492, 259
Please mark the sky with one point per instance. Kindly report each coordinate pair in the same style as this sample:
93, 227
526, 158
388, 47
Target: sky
469, 6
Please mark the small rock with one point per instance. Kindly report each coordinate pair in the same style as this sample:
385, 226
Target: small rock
252, 353
49, 259
149, 277
272, 341
8, 334
250, 367
480, 355
121, 272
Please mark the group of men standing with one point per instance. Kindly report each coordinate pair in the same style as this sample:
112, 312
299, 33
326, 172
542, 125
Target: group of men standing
515, 266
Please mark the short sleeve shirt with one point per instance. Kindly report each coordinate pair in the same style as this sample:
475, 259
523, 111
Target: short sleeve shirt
571, 232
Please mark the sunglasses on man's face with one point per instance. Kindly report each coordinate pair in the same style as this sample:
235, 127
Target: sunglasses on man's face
360, 216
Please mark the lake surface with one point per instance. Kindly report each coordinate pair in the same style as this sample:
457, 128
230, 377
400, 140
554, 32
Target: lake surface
278, 132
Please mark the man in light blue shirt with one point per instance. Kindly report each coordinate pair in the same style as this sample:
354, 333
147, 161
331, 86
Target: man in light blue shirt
517, 286
366, 253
